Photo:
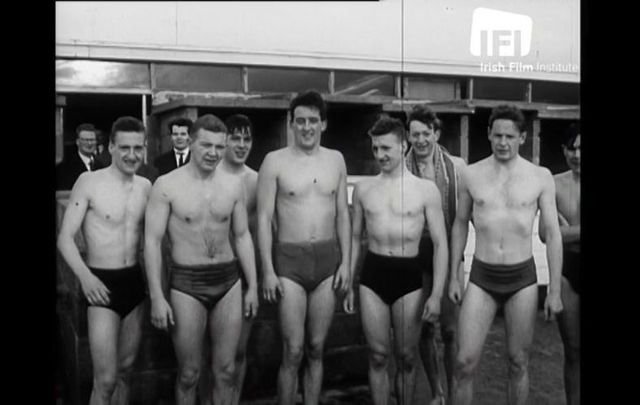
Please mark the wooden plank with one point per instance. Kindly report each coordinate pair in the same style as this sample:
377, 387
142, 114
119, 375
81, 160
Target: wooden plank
560, 114
332, 81
455, 106
353, 99
528, 95
464, 137
245, 79
222, 102
536, 141
470, 88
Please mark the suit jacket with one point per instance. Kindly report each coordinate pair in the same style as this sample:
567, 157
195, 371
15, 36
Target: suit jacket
68, 171
167, 162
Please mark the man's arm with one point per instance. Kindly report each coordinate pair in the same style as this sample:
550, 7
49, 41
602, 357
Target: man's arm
246, 254
267, 188
551, 228
459, 231
342, 281
95, 291
438, 232
156, 219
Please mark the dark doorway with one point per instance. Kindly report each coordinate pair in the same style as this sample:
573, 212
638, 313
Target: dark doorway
552, 133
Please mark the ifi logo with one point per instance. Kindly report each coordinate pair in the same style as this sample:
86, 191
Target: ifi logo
500, 33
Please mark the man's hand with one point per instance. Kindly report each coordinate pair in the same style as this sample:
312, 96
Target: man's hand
348, 302
552, 306
271, 286
161, 314
431, 310
95, 291
455, 291
251, 303
342, 278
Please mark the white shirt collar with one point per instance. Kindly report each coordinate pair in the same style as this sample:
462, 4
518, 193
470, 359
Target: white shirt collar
85, 159
176, 155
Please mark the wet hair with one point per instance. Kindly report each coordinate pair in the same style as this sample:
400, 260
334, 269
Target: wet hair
309, 98
181, 122
208, 122
570, 135
508, 112
240, 123
424, 114
86, 127
387, 125
126, 124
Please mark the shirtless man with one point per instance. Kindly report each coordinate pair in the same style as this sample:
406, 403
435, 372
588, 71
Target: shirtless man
504, 191
109, 206
568, 201
198, 206
305, 185
396, 206
429, 160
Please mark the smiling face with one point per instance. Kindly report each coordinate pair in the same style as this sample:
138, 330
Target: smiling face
86, 142
505, 139
179, 137
388, 151
207, 149
239, 146
307, 127
572, 155
127, 151
423, 138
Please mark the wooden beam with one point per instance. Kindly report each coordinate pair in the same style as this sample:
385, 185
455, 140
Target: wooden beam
536, 141
560, 114
454, 106
353, 99
470, 88
398, 86
223, 102
245, 79
464, 137
528, 95
332, 81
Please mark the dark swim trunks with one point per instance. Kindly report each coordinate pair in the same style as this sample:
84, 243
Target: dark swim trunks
207, 283
571, 268
501, 281
307, 263
392, 277
127, 287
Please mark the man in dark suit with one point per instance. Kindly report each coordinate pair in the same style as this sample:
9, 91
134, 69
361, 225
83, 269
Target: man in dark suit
179, 154
77, 162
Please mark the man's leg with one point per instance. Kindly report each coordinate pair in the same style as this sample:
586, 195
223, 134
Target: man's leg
520, 320
476, 315
320, 308
128, 344
225, 323
103, 325
407, 323
190, 317
376, 323
292, 310
241, 359
569, 326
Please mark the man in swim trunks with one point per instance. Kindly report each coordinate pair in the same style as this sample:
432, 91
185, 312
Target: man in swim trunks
198, 206
396, 206
109, 205
568, 201
304, 184
504, 191
429, 160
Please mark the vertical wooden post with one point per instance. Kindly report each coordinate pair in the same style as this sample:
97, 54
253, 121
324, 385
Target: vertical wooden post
288, 141
536, 141
529, 92
398, 86
245, 79
470, 88
464, 137
144, 121
332, 81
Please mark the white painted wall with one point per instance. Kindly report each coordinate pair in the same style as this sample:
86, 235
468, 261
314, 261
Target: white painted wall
433, 35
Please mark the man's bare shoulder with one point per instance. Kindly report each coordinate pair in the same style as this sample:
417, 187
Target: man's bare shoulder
272, 159
365, 184
563, 177
332, 153
142, 182
543, 173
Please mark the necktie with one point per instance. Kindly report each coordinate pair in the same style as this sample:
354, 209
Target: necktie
180, 160
91, 164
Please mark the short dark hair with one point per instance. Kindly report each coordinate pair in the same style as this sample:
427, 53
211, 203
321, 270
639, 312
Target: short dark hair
181, 122
423, 113
126, 124
238, 122
86, 127
309, 98
208, 122
507, 112
570, 135
388, 125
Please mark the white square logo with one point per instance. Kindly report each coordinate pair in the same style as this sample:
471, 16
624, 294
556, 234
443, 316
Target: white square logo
500, 33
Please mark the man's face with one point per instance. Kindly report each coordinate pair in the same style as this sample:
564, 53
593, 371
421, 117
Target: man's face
505, 139
388, 151
207, 148
179, 137
572, 154
423, 138
127, 151
86, 142
307, 126
238, 146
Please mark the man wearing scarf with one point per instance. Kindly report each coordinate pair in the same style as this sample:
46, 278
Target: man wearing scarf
429, 160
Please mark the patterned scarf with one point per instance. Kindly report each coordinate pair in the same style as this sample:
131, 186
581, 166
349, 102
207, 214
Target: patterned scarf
445, 178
